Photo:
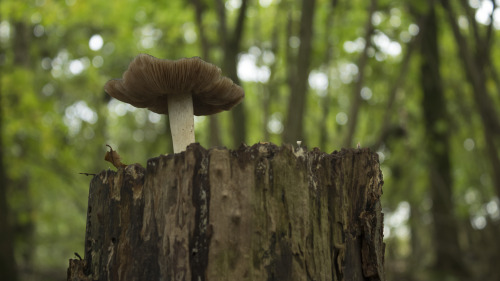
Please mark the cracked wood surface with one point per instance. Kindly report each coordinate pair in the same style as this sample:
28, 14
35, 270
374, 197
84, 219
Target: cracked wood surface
256, 213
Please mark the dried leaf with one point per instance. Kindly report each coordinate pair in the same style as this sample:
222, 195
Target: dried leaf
114, 158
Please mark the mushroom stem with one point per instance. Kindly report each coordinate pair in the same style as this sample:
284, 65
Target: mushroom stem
181, 118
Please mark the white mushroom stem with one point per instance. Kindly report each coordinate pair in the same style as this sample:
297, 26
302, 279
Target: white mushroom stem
180, 115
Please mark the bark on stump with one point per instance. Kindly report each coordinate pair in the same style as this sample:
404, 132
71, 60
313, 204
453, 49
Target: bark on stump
257, 213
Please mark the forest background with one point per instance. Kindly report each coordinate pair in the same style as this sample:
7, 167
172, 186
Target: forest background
416, 81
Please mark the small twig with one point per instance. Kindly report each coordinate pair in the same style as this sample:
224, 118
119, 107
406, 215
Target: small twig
78, 256
88, 174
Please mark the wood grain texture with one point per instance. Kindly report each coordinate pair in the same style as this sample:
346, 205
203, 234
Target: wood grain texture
256, 213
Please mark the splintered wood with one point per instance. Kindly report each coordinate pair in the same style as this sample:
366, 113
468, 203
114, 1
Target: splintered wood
256, 213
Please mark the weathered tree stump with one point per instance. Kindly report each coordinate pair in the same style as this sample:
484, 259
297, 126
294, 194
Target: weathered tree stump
257, 213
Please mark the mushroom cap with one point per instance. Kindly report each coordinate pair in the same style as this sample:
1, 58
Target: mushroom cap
148, 80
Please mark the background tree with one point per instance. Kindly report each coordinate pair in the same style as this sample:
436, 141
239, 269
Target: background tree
230, 40
299, 73
445, 240
8, 267
477, 64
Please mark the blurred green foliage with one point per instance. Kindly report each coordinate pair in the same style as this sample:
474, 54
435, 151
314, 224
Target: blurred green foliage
57, 55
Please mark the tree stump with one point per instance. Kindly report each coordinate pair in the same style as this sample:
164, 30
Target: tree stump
256, 213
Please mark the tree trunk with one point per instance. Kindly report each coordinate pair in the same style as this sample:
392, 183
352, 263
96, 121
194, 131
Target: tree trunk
257, 213
476, 61
294, 127
356, 101
214, 138
231, 41
8, 268
447, 249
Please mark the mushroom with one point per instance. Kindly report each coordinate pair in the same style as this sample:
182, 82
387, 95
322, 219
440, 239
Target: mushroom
179, 88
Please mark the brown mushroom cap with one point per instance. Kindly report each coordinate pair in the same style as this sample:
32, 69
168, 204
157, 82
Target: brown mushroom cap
148, 80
